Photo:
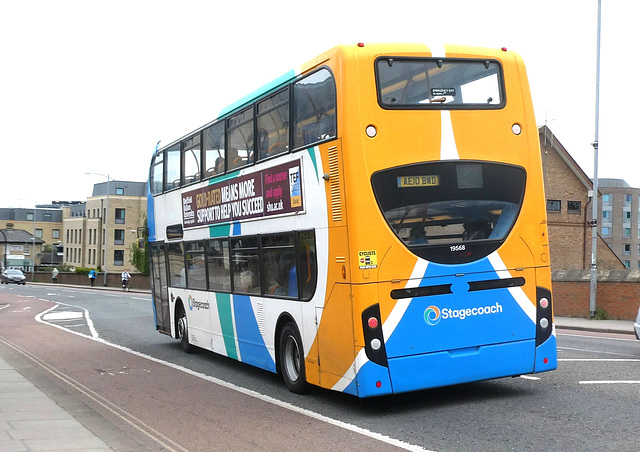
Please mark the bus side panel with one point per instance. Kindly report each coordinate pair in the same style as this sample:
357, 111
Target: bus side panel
333, 350
334, 342
251, 344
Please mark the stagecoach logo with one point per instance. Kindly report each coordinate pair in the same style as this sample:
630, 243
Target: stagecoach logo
433, 314
197, 304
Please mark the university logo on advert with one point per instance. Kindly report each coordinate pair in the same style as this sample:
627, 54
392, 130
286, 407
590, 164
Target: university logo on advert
433, 314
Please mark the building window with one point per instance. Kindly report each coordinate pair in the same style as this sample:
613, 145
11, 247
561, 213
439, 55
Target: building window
55, 234
626, 233
626, 249
30, 216
574, 207
627, 200
606, 214
119, 237
26, 250
627, 264
627, 214
47, 217
606, 231
606, 198
119, 216
553, 205
39, 233
119, 191
118, 258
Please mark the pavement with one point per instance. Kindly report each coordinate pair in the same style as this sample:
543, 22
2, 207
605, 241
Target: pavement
32, 420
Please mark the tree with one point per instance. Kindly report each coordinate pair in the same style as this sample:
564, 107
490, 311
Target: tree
139, 253
140, 258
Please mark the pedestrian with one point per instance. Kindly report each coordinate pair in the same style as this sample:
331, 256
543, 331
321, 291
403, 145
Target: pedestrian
92, 277
54, 275
125, 280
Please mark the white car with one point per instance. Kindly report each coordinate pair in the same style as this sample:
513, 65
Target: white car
636, 326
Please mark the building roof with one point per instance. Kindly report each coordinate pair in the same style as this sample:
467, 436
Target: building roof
43, 215
128, 188
548, 139
612, 183
17, 236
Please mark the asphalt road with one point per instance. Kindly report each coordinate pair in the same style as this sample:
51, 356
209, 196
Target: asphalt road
206, 402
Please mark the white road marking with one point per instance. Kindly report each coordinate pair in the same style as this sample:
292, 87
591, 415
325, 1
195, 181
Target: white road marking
594, 351
599, 337
62, 315
603, 360
263, 397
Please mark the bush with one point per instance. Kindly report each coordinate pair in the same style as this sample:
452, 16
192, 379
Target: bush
601, 314
82, 270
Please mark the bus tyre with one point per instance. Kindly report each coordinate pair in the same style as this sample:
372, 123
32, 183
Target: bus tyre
291, 358
183, 331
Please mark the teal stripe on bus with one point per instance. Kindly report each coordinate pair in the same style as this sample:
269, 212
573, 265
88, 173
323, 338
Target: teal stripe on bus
312, 155
259, 92
219, 230
223, 301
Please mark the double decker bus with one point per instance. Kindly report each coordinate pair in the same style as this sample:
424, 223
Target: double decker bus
372, 223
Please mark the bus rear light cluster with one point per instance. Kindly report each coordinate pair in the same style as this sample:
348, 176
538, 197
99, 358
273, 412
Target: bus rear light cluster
544, 313
373, 338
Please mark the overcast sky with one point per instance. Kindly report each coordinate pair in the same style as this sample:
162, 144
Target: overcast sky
92, 86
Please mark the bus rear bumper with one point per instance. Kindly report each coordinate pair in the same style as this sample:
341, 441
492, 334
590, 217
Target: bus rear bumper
411, 373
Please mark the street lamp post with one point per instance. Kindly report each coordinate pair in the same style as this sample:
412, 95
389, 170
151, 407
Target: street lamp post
106, 228
593, 283
4, 251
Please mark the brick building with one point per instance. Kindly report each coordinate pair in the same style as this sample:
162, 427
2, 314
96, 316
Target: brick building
569, 193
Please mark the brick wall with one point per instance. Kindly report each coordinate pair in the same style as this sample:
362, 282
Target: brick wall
618, 293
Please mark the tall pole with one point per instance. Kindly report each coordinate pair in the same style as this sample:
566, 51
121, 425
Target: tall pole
106, 228
106, 235
4, 253
33, 266
594, 220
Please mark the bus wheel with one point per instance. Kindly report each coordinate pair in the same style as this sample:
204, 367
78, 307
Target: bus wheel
291, 357
183, 331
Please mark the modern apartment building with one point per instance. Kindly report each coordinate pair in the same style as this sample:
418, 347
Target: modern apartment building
619, 222
21, 226
106, 226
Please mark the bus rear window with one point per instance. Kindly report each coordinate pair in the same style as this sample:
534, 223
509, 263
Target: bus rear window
430, 83
451, 212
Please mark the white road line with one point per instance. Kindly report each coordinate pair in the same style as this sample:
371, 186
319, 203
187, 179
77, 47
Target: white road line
601, 360
631, 339
595, 351
263, 397
41, 318
62, 315
529, 377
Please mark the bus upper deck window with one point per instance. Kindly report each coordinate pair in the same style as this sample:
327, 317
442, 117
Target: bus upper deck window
428, 83
314, 108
